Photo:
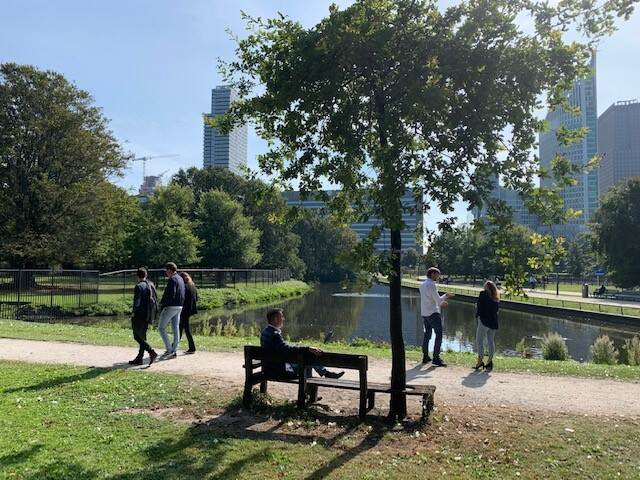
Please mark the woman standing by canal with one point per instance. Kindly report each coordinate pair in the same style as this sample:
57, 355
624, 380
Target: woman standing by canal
190, 308
487, 318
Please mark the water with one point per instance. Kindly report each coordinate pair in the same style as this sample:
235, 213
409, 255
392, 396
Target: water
350, 314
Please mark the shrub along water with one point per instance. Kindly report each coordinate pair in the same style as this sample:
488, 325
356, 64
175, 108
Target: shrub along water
603, 351
632, 351
554, 347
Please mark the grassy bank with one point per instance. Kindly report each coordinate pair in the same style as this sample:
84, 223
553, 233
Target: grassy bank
116, 335
116, 304
62, 422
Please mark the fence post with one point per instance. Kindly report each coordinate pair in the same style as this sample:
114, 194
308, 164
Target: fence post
80, 296
19, 285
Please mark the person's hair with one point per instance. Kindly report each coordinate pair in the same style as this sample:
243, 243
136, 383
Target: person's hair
431, 271
186, 277
171, 266
141, 273
273, 314
492, 290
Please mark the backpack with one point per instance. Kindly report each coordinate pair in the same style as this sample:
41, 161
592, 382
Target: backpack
152, 303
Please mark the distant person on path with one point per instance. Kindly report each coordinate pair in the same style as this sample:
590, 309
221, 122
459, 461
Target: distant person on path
430, 305
271, 340
145, 309
487, 319
189, 308
171, 303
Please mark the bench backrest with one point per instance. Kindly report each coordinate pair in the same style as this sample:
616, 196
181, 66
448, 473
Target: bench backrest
327, 359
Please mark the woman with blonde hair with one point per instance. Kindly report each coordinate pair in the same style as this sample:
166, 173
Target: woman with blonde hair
487, 318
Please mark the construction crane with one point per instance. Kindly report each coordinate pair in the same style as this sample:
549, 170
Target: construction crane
144, 162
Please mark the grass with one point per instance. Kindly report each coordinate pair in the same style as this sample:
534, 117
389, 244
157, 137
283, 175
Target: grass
210, 298
62, 422
113, 334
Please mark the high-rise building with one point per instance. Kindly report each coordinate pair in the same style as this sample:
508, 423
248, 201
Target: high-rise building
413, 220
619, 144
513, 200
225, 151
583, 196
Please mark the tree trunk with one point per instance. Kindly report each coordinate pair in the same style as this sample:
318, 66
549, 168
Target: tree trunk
398, 406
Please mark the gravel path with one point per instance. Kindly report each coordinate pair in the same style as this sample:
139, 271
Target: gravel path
455, 385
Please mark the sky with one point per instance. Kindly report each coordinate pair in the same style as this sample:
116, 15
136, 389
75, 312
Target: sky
151, 64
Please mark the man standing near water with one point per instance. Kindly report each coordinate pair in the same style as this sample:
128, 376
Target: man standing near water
430, 305
171, 303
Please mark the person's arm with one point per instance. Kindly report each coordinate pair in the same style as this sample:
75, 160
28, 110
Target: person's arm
137, 299
168, 293
437, 298
280, 346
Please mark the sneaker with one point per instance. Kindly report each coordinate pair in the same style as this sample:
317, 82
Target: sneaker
165, 354
190, 352
171, 355
152, 356
135, 361
334, 375
438, 362
426, 359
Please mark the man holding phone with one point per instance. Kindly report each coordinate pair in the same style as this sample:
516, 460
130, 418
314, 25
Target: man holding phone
431, 303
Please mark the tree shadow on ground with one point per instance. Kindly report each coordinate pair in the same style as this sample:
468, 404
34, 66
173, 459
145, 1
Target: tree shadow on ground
58, 381
21, 456
60, 470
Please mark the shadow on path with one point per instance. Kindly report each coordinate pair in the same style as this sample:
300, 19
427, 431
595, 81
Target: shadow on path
476, 379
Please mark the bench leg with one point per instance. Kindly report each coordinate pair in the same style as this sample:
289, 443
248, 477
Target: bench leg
371, 400
363, 404
263, 387
246, 397
427, 406
301, 394
312, 391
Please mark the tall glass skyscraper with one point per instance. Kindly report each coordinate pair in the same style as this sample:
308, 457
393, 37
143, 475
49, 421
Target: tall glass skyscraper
584, 195
225, 151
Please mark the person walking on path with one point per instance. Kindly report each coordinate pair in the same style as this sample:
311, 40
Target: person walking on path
171, 303
145, 308
430, 306
189, 308
487, 319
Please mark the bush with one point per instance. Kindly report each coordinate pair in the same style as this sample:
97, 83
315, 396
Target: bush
632, 350
554, 347
603, 351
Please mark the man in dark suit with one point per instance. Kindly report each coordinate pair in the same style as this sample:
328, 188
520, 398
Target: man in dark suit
272, 341
142, 316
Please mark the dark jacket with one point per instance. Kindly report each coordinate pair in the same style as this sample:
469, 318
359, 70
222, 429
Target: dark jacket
190, 306
141, 301
487, 310
271, 340
173, 295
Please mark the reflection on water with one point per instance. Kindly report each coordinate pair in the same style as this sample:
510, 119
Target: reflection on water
349, 314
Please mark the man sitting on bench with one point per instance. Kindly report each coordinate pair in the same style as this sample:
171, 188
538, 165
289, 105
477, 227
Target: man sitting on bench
271, 340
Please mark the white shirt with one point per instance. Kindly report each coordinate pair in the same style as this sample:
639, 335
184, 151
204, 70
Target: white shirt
430, 299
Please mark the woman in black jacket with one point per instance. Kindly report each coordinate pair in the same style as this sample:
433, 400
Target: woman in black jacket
487, 318
190, 307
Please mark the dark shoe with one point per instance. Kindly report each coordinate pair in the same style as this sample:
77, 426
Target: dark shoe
438, 362
190, 352
479, 365
171, 355
426, 359
335, 375
489, 366
135, 361
152, 356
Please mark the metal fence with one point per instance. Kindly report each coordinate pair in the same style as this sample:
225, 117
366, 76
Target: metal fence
42, 294
122, 282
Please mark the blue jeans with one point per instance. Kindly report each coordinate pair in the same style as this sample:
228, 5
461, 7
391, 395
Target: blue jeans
432, 323
482, 332
170, 314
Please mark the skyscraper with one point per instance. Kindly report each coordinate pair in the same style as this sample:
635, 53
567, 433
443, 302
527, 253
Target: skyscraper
619, 144
226, 151
513, 200
413, 220
583, 196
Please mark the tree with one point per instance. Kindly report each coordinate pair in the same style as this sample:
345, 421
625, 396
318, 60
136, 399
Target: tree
166, 232
390, 96
265, 206
410, 258
228, 238
616, 229
56, 153
323, 248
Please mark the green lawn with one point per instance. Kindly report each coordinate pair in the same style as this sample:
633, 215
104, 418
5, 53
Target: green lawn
61, 422
113, 334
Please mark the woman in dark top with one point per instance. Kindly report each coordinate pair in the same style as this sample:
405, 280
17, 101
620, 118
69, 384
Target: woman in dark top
487, 318
188, 308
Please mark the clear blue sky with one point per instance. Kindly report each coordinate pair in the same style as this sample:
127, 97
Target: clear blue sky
151, 64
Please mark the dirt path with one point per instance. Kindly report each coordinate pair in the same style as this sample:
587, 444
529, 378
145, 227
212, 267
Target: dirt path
455, 385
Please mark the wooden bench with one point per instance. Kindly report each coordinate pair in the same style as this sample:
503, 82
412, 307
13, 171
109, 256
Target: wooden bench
308, 386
